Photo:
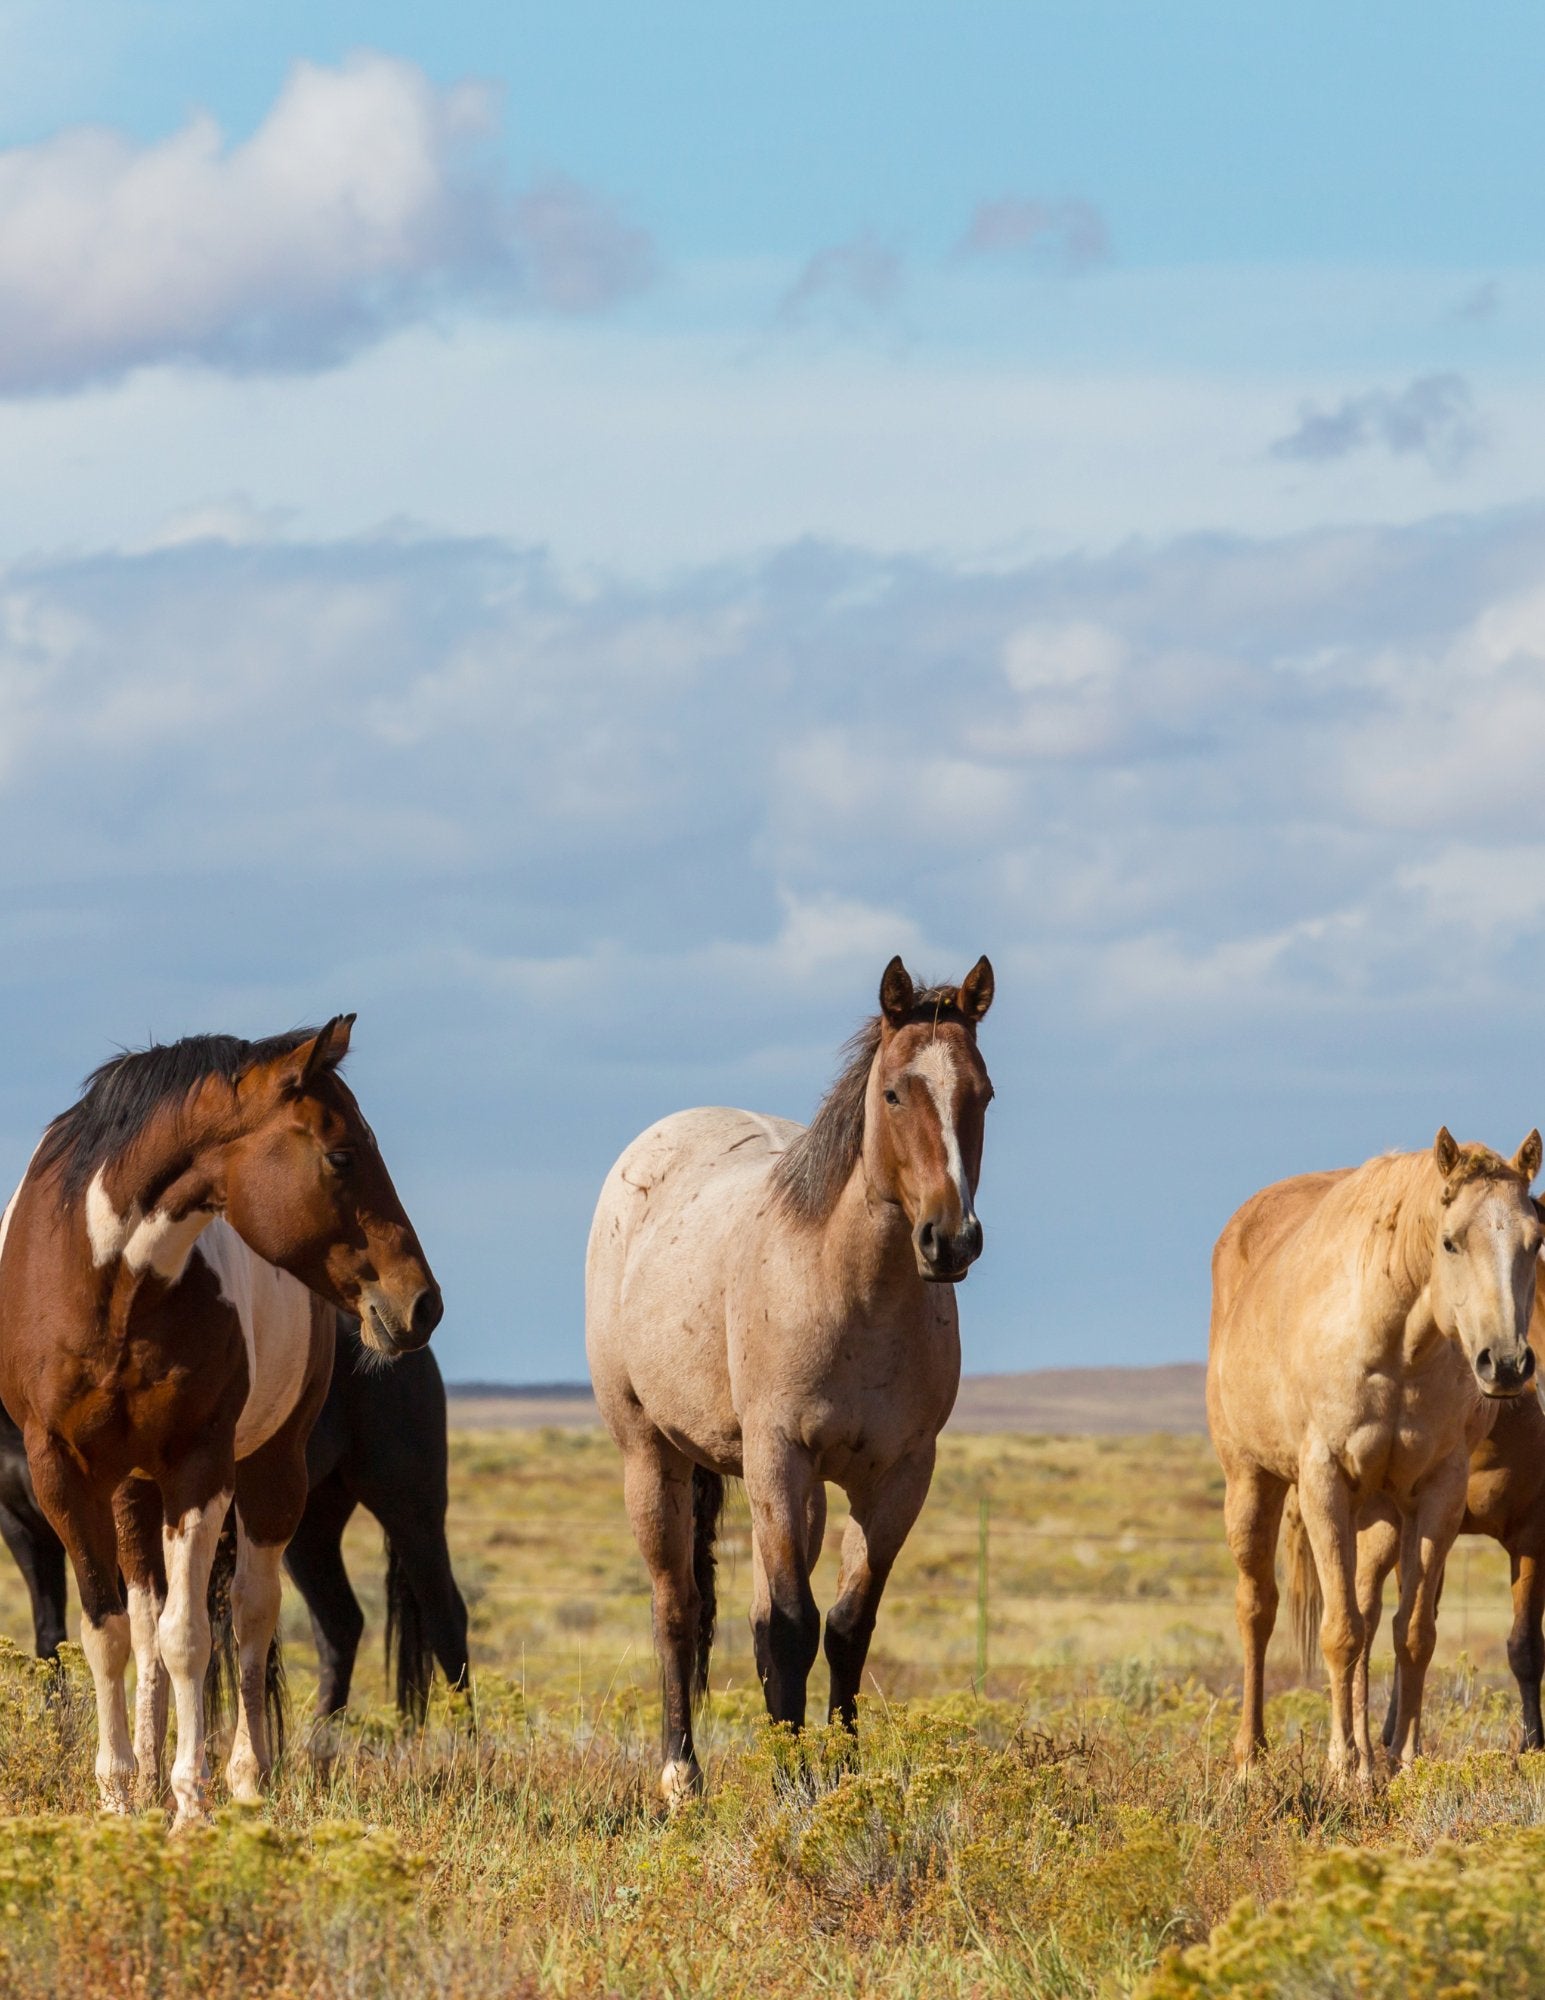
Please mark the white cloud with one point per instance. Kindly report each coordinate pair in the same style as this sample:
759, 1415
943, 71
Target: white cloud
361, 200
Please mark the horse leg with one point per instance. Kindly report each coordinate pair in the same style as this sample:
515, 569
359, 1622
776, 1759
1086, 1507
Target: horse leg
83, 1519
1252, 1519
657, 1486
785, 1624
39, 1555
270, 1504
1526, 1643
314, 1559
195, 1504
1427, 1537
1378, 1547
137, 1509
1325, 1502
880, 1520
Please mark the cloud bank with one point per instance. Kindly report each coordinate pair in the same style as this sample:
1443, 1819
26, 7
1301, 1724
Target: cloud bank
1250, 830
365, 198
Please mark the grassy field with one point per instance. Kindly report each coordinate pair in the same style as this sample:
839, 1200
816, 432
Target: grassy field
1065, 1828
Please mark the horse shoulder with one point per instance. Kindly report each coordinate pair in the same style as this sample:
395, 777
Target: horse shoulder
283, 1328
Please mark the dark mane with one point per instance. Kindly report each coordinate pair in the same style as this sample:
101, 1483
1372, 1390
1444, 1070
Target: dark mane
119, 1099
809, 1176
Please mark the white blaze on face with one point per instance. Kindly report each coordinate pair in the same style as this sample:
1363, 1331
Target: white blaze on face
934, 1065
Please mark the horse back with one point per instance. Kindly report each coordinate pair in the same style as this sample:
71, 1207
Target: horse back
674, 1213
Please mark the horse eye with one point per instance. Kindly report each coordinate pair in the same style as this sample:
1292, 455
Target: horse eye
1451, 1246
340, 1162
891, 1097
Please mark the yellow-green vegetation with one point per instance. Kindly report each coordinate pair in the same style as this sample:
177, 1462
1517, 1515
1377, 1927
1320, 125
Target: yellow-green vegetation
1077, 1830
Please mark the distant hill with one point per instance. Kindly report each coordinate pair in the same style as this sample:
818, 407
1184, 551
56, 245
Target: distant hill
1053, 1402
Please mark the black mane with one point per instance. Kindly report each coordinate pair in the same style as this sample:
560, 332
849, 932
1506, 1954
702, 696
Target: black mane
811, 1173
119, 1099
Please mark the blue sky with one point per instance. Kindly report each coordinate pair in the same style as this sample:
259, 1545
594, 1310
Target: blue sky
577, 533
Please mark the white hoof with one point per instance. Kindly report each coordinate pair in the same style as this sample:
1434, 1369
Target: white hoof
679, 1782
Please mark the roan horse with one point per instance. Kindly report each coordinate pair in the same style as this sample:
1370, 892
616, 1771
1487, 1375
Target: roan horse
1363, 1322
379, 1443
161, 1350
775, 1304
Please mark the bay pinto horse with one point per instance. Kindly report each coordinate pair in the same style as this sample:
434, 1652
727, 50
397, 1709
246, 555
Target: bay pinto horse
165, 1346
1365, 1324
776, 1304
379, 1443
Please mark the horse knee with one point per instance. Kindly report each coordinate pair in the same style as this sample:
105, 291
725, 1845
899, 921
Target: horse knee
1341, 1637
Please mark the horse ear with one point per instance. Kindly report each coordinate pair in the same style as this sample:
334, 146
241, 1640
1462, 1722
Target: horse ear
1445, 1151
976, 989
897, 992
1526, 1160
292, 1074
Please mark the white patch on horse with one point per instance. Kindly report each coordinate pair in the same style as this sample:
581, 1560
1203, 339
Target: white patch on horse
107, 1230
10, 1207
162, 1243
274, 1311
935, 1064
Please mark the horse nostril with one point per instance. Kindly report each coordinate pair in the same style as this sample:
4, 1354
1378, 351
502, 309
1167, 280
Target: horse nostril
928, 1241
428, 1310
1485, 1365
1527, 1370
974, 1237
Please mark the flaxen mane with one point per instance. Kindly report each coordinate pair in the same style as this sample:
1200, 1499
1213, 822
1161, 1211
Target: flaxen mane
809, 1176
120, 1098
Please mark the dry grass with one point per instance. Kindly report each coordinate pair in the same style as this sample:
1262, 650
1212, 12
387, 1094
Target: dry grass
1056, 1836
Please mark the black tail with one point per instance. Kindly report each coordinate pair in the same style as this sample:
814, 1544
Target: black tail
223, 1675
707, 1506
409, 1654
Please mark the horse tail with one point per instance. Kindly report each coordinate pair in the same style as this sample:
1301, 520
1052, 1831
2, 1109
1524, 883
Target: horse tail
409, 1655
222, 1678
707, 1506
1306, 1603
222, 1674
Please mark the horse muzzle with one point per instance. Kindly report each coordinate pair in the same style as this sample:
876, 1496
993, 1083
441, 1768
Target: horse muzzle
390, 1329
944, 1256
1501, 1376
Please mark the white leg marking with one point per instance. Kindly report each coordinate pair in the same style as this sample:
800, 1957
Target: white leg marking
151, 1689
106, 1647
255, 1598
184, 1635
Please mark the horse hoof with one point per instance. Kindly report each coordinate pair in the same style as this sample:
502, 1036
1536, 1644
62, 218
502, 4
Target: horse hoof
679, 1782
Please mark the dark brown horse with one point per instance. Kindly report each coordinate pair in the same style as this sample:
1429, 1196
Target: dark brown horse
164, 1346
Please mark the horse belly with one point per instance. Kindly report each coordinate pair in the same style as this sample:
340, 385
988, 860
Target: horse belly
276, 1313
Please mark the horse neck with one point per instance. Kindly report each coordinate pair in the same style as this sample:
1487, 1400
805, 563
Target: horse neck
866, 1244
1413, 1202
144, 1212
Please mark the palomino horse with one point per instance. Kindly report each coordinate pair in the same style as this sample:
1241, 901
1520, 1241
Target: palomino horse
774, 1303
161, 1350
1505, 1499
1361, 1322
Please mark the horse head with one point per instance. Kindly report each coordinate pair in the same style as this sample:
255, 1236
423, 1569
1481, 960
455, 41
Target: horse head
304, 1185
927, 1100
1486, 1258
